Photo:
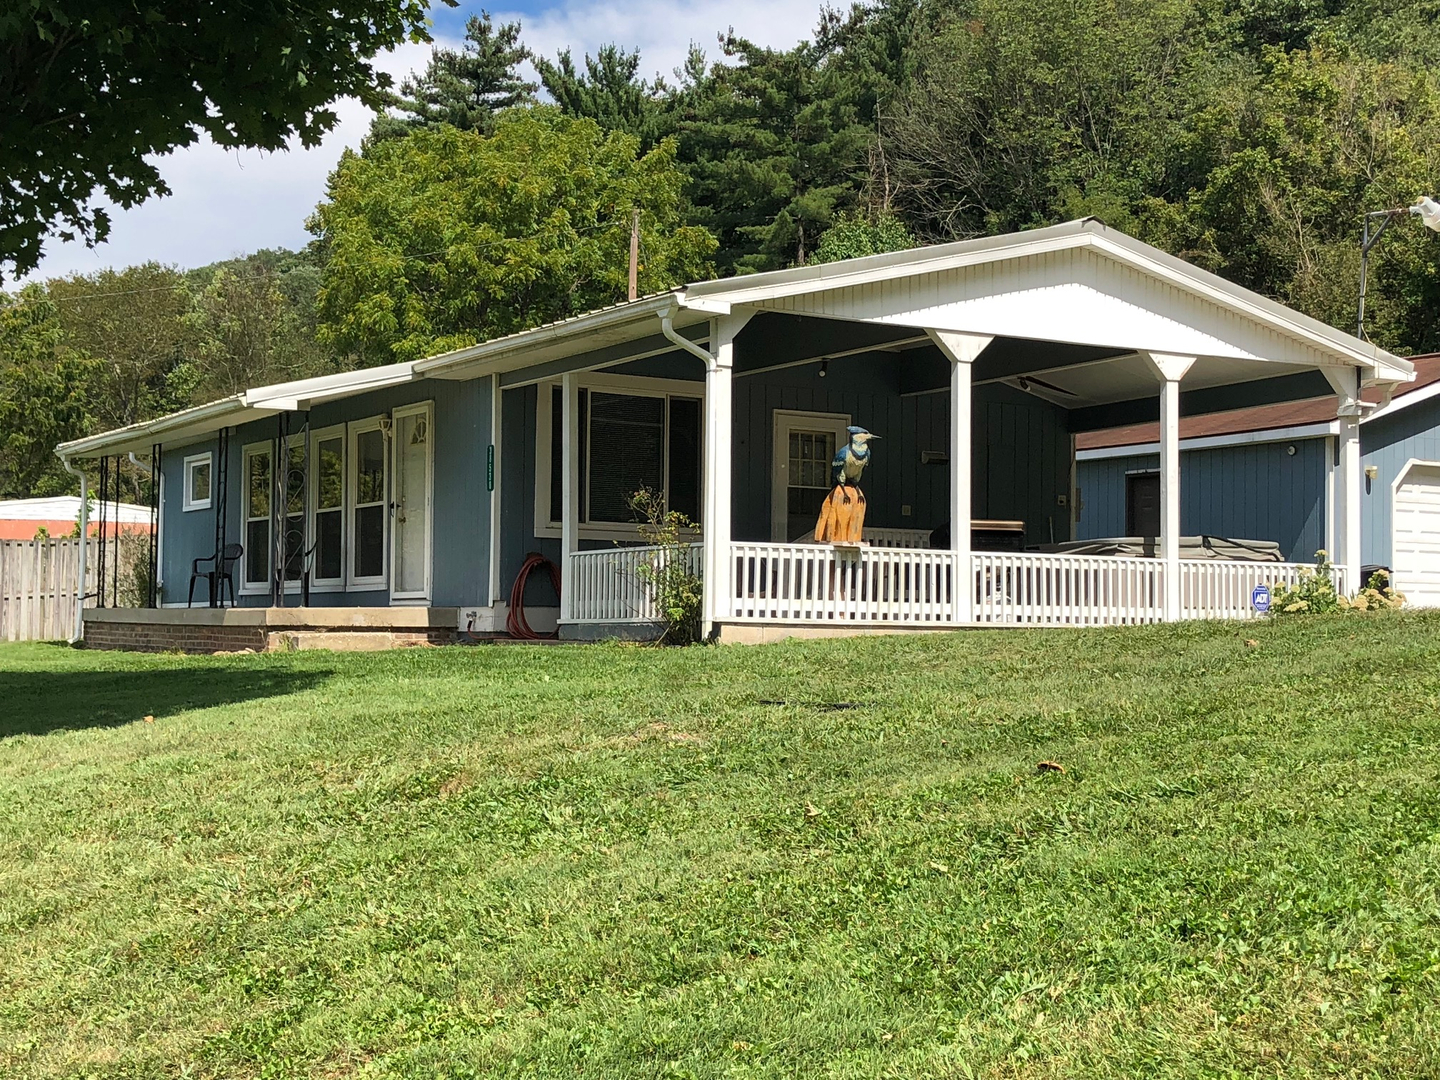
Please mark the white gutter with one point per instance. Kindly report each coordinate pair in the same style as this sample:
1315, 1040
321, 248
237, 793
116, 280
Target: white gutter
84, 553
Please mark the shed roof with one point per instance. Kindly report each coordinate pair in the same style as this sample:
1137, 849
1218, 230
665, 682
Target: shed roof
1283, 415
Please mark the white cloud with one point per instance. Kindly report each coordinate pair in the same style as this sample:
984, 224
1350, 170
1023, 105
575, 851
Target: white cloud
228, 203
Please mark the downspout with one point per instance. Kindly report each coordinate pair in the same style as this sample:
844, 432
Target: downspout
667, 327
79, 633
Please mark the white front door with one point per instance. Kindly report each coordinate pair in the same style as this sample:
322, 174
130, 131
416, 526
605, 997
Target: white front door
804, 446
1415, 535
410, 538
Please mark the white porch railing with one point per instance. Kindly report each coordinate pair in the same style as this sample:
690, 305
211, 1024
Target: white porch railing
1067, 590
821, 583
794, 583
609, 587
1221, 589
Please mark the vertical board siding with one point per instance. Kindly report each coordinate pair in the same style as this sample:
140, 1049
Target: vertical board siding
1020, 463
461, 530
1389, 442
1253, 492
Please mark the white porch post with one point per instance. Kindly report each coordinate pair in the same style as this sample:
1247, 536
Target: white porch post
961, 350
719, 464
569, 489
1346, 382
1171, 370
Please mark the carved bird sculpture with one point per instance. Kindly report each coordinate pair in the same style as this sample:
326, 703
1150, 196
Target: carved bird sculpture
851, 459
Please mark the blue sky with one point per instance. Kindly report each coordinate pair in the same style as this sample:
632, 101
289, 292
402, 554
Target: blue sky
227, 203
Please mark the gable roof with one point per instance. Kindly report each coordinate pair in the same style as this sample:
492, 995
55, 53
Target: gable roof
623, 328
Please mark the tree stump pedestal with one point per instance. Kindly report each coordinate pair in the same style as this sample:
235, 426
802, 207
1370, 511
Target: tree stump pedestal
842, 516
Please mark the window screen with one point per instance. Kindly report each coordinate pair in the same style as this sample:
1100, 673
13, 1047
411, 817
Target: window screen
627, 452
685, 455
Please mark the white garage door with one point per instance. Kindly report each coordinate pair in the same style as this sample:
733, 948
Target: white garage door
1415, 535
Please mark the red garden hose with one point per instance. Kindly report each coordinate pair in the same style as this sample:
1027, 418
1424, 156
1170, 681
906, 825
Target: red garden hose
515, 624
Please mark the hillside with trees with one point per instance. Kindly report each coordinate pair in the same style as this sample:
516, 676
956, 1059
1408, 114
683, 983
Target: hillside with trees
495, 190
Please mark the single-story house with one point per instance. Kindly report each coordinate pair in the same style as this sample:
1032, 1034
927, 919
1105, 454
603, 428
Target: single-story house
1269, 472
403, 501
23, 519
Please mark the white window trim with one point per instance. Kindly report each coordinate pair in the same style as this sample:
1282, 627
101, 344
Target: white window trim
248, 451
355, 429
635, 385
782, 420
312, 504
427, 410
187, 503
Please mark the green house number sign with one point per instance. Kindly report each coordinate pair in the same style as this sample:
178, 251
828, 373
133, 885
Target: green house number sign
490, 468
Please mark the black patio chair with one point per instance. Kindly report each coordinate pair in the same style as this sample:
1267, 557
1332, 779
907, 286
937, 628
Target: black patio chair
220, 574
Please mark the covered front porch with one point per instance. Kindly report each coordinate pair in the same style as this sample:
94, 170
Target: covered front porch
1090, 329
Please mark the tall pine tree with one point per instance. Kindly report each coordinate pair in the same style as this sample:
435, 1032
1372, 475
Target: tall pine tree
463, 87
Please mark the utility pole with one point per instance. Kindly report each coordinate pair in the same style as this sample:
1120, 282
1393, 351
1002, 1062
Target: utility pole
635, 255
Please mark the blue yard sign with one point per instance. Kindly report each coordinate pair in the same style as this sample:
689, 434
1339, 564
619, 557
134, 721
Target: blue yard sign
1260, 598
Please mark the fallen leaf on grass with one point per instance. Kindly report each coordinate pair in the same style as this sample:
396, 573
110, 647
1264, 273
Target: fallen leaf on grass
810, 810
149, 719
1251, 643
1050, 766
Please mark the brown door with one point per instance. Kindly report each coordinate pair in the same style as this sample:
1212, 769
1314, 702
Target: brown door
1142, 504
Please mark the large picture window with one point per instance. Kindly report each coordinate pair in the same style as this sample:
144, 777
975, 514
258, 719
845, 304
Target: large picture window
648, 436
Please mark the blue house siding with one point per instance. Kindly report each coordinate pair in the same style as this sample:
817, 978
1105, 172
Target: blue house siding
1388, 442
1257, 491
461, 521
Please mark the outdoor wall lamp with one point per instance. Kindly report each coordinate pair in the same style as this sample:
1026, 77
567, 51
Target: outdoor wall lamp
1376, 222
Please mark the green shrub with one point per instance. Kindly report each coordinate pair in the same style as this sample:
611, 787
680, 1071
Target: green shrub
679, 591
1315, 593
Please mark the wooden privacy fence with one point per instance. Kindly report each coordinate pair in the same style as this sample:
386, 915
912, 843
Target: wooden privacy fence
37, 587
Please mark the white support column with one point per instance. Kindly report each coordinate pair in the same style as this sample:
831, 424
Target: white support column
569, 489
1348, 489
719, 467
961, 350
1346, 382
1170, 369
496, 399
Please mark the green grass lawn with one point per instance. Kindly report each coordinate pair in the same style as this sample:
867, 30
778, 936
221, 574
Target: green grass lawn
614, 861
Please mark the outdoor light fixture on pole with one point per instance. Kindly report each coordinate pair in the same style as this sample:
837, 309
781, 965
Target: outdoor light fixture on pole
1376, 222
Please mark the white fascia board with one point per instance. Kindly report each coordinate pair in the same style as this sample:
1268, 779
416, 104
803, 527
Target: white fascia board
1227, 294
301, 392
200, 419
489, 356
1210, 442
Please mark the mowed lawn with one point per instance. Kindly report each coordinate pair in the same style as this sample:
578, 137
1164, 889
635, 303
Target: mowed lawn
824, 859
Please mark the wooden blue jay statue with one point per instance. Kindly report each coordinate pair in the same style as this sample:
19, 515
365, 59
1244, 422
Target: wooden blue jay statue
851, 459
842, 514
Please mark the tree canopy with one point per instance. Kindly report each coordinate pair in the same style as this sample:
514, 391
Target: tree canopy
447, 237
1246, 136
93, 91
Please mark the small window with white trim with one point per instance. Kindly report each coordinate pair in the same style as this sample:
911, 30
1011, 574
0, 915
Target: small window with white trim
197, 482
